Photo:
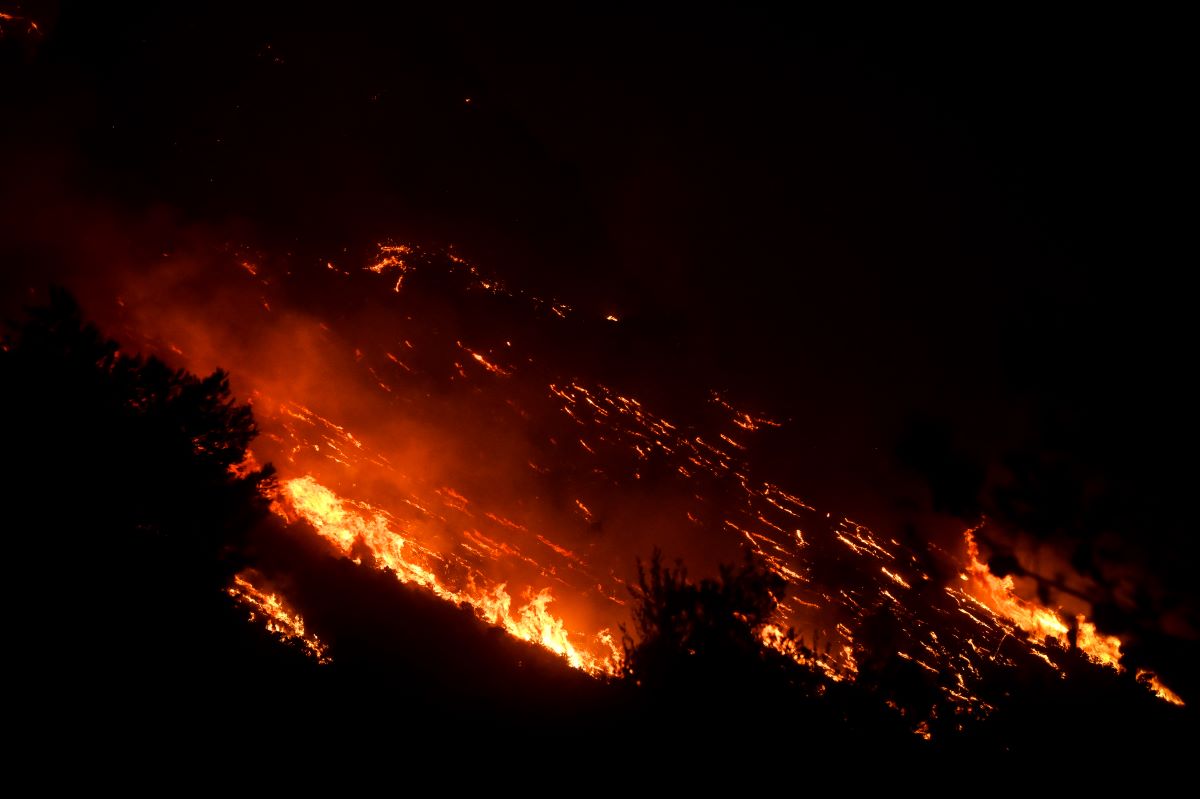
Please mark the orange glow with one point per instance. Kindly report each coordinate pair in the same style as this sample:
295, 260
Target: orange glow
278, 618
1150, 679
1040, 622
31, 27
1103, 649
350, 525
488, 474
895, 577
391, 256
782, 641
484, 362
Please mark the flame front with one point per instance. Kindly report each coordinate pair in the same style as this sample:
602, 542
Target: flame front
475, 461
277, 617
350, 525
1040, 622
1157, 687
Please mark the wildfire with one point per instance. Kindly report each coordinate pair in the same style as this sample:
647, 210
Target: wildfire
999, 593
29, 25
484, 362
351, 525
1150, 679
785, 642
391, 256
586, 453
1102, 649
279, 619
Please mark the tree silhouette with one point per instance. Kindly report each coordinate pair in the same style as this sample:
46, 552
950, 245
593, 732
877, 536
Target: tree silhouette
145, 447
691, 633
127, 512
126, 518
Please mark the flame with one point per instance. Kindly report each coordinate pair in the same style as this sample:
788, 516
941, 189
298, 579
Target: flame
1040, 622
1102, 649
31, 26
279, 619
1150, 679
484, 362
535, 552
784, 641
350, 525
392, 256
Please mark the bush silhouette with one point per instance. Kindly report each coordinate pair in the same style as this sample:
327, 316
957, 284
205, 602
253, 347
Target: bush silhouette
694, 633
124, 514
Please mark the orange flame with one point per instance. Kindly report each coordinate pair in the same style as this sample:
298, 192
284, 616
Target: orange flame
621, 439
392, 256
279, 619
31, 27
1151, 681
350, 525
1102, 649
784, 642
1040, 622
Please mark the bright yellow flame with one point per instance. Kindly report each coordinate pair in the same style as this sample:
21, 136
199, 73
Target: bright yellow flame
999, 594
1103, 649
1150, 679
279, 619
775, 637
352, 525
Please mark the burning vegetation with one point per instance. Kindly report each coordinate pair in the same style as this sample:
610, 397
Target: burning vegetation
276, 616
337, 477
864, 630
362, 532
546, 558
598, 449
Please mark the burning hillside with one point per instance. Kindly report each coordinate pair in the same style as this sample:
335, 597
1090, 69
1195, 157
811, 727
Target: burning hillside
431, 330
456, 440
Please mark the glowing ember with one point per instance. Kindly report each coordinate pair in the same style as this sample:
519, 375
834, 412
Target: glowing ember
279, 619
785, 642
19, 22
484, 362
537, 541
391, 256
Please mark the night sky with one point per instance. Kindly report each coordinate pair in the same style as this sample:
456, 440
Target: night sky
950, 251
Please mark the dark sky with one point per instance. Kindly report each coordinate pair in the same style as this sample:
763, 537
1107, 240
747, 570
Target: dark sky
966, 233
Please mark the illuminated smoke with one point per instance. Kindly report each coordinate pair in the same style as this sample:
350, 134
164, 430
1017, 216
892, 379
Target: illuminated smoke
444, 430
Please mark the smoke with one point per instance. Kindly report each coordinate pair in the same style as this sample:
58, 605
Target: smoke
378, 393
162, 253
